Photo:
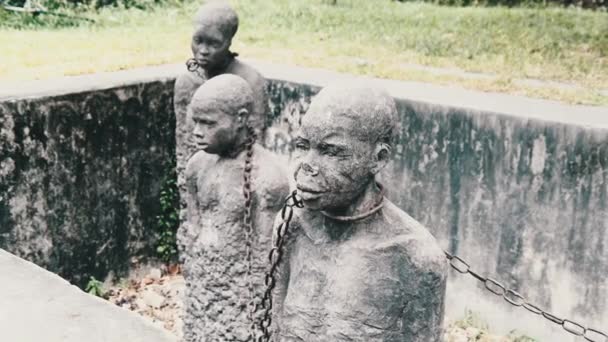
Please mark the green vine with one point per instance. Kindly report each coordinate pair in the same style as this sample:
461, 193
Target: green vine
95, 287
167, 221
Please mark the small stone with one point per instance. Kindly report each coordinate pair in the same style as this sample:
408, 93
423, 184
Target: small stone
457, 335
155, 274
139, 304
152, 298
473, 332
147, 281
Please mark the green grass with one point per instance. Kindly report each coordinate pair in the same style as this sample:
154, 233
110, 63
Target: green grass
380, 38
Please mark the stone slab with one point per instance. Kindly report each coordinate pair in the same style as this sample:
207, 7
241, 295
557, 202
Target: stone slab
37, 305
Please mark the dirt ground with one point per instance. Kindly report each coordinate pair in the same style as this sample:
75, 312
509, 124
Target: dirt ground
157, 295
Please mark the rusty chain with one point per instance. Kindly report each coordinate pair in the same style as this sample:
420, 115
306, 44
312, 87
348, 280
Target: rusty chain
274, 257
514, 298
193, 66
249, 230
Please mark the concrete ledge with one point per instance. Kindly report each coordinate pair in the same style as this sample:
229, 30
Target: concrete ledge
37, 305
87, 83
451, 97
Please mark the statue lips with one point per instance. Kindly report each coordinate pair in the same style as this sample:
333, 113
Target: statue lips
200, 144
308, 193
202, 61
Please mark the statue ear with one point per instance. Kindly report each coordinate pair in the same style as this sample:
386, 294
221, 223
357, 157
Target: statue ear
382, 155
243, 116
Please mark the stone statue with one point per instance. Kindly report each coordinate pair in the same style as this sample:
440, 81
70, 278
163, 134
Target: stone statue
224, 259
355, 267
215, 24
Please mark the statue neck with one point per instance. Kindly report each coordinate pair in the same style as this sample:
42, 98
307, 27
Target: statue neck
240, 145
370, 197
339, 224
221, 69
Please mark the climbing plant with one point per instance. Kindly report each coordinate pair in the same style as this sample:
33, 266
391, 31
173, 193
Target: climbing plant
167, 221
95, 287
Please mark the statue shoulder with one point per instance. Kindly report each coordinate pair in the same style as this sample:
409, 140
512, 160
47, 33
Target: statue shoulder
411, 240
198, 162
272, 171
249, 73
186, 84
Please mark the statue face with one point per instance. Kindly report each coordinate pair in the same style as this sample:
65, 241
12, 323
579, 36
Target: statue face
331, 165
210, 46
214, 131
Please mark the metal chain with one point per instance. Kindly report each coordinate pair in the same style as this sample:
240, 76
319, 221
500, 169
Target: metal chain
249, 230
516, 299
193, 66
274, 257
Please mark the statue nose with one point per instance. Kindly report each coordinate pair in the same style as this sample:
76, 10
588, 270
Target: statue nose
311, 170
197, 131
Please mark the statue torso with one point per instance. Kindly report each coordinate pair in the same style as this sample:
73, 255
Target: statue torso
339, 291
214, 247
354, 289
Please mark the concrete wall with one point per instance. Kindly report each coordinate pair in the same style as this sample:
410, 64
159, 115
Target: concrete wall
80, 173
516, 186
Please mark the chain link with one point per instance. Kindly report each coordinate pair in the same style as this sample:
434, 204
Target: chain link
274, 257
514, 298
193, 66
249, 230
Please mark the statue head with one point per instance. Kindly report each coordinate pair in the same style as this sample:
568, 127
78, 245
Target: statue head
220, 112
215, 23
345, 139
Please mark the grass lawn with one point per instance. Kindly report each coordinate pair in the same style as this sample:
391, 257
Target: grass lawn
381, 38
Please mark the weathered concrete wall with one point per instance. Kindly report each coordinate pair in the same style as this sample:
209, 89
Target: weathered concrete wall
515, 186
37, 305
80, 175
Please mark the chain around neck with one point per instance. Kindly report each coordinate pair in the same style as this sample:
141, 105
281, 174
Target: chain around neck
193, 66
358, 217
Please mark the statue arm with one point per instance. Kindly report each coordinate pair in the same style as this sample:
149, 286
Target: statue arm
273, 189
261, 101
191, 191
185, 86
424, 309
281, 280
191, 219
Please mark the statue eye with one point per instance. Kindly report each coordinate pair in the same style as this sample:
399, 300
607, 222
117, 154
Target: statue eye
300, 145
331, 150
204, 122
331, 153
214, 43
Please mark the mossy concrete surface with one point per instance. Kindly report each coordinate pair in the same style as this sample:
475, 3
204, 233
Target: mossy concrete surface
80, 175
